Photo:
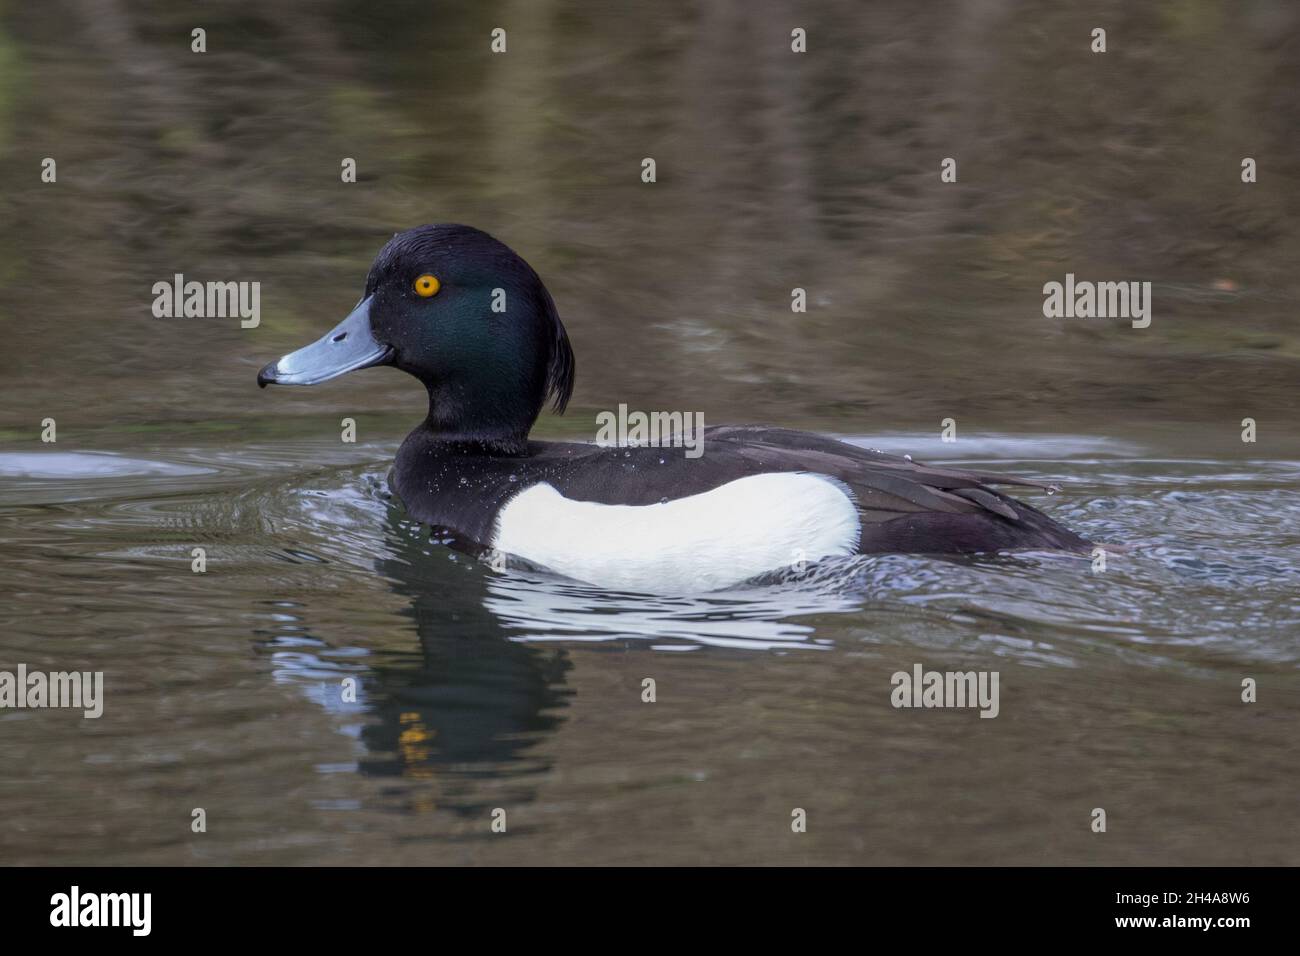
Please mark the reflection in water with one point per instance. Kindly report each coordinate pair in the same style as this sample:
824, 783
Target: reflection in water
484, 688
522, 690
474, 702
540, 607
489, 680
491, 677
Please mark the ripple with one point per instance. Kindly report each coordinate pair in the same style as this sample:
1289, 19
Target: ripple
75, 466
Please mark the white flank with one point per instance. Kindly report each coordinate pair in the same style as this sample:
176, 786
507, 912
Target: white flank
701, 543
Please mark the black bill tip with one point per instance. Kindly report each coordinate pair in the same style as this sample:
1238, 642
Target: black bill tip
349, 346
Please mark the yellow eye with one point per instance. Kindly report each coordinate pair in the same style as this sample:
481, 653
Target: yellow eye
427, 285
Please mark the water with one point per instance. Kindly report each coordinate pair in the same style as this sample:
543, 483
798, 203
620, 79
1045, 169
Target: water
479, 689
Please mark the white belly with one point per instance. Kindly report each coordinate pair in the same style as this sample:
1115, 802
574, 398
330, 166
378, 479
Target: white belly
700, 543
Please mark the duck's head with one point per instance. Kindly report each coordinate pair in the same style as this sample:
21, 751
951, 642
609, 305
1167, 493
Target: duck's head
466, 316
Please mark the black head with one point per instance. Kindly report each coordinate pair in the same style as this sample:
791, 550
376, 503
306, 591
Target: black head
466, 316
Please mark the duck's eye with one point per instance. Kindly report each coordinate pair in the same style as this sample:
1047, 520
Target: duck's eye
427, 285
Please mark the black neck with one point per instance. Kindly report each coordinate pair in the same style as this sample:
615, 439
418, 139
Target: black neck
459, 427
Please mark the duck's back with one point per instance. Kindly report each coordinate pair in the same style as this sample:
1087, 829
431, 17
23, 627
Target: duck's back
906, 506
754, 500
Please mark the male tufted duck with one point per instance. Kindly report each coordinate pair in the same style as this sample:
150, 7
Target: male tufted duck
759, 499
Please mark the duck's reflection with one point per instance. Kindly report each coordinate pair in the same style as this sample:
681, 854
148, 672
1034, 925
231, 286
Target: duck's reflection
475, 702
490, 680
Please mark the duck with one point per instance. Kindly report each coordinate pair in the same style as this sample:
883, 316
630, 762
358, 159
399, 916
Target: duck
472, 321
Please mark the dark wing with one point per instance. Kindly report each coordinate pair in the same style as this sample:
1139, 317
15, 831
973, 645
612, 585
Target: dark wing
905, 506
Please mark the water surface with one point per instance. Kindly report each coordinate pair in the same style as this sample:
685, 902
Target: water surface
479, 689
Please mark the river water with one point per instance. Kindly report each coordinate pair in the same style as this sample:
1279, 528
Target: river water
479, 690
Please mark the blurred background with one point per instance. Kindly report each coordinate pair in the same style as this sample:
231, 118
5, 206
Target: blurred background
775, 170
481, 690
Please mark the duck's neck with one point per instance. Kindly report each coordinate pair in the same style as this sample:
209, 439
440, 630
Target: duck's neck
473, 428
